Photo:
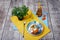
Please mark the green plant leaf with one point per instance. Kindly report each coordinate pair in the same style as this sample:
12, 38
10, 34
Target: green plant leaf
20, 12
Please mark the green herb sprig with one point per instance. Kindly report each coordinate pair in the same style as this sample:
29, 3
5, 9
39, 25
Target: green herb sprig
20, 12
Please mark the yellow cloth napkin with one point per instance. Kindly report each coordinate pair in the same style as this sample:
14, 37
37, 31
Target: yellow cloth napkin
28, 36
20, 26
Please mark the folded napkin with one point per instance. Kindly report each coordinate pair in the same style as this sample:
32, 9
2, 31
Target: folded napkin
22, 29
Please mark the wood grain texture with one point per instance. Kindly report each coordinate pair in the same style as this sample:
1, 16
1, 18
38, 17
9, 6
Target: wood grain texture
4, 5
8, 33
54, 14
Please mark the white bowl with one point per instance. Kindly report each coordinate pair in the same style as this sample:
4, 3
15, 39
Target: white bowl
34, 28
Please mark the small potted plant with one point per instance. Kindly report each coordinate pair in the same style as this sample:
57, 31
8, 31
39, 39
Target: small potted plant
20, 12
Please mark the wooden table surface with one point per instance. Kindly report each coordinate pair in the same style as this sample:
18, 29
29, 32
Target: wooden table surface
8, 33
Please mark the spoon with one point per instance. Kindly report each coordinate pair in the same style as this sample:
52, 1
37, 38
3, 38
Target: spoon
24, 28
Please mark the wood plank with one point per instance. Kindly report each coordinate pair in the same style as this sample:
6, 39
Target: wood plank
5, 30
54, 14
49, 39
49, 36
10, 34
3, 13
15, 33
57, 35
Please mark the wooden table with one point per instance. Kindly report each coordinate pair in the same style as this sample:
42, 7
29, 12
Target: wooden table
6, 29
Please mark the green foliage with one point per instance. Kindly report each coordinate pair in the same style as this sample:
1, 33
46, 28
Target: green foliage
20, 12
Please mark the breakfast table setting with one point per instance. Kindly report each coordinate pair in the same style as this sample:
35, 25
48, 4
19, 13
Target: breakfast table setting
31, 24
29, 19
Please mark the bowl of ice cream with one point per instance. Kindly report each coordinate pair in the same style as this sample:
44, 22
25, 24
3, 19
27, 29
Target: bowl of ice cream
34, 28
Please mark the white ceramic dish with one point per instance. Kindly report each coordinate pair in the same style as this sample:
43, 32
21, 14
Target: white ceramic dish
34, 28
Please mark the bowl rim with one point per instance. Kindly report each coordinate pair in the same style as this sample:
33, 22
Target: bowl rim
33, 24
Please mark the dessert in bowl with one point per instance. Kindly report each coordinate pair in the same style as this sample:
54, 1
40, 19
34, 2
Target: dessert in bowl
34, 28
